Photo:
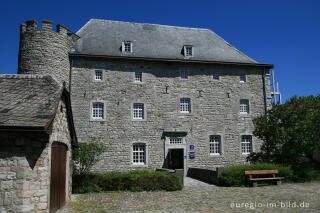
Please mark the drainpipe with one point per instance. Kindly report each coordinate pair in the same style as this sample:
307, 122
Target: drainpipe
264, 90
70, 76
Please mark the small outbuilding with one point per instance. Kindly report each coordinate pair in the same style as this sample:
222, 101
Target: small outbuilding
36, 136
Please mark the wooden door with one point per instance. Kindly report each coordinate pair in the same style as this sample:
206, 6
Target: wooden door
58, 176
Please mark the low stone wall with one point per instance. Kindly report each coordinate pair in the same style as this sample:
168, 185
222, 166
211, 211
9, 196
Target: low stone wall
205, 175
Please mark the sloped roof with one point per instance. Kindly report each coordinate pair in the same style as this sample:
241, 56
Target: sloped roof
104, 38
28, 100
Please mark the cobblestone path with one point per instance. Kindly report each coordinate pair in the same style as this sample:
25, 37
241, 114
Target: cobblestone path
201, 197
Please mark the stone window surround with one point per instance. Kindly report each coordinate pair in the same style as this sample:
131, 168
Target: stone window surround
134, 77
144, 110
221, 143
186, 75
249, 106
244, 78
240, 142
146, 153
104, 110
186, 54
123, 47
215, 76
183, 140
190, 106
94, 76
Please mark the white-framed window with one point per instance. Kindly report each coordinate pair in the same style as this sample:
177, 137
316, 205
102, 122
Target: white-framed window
243, 78
127, 46
244, 106
138, 77
246, 144
98, 75
184, 74
185, 105
139, 154
215, 145
215, 76
175, 140
138, 111
97, 110
188, 51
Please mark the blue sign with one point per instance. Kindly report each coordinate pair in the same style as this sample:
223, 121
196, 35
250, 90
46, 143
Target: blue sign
191, 147
185, 157
191, 155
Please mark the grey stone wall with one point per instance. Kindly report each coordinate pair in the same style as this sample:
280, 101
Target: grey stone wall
24, 174
25, 165
215, 109
43, 51
61, 133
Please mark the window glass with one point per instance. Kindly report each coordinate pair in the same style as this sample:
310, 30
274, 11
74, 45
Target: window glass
138, 111
97, 110
185, 105
139, 154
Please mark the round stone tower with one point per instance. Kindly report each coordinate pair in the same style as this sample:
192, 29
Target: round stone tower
43, 51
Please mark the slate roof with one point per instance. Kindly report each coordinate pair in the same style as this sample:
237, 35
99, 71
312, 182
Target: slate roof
104, 38
28, 100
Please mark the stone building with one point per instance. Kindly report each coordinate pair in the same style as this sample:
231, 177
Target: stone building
158, 96
36, 135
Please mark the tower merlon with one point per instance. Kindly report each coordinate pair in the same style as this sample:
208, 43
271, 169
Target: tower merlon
47, 25
62, 29
23, 28
31, 25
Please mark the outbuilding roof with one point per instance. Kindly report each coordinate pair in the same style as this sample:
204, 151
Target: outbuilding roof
29, 102
104, 38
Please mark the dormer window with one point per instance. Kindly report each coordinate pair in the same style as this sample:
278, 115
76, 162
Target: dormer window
188, 51
127, 47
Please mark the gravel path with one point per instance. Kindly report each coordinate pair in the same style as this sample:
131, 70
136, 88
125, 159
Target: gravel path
201, 197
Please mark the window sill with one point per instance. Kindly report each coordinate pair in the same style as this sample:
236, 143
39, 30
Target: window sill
216, 155
139, 165
97, 119
245, 154
138, 119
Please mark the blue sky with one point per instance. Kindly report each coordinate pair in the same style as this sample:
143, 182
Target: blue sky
280, 32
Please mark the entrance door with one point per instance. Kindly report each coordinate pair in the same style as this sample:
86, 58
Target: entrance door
58, 176
175, 158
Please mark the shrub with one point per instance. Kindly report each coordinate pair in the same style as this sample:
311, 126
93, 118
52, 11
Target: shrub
306, 172
86, 155
234, 175
129, 181
290, 132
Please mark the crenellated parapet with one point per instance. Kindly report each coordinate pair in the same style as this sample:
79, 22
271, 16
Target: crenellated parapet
45, 51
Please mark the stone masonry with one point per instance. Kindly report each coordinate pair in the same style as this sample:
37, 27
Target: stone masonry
25, 163
43, 51
215, 109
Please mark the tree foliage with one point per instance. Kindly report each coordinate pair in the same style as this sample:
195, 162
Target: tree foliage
291, 132
86, 155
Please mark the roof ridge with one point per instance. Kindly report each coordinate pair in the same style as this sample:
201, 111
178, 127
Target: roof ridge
161, 25
21, 76
31, 76
230, 45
